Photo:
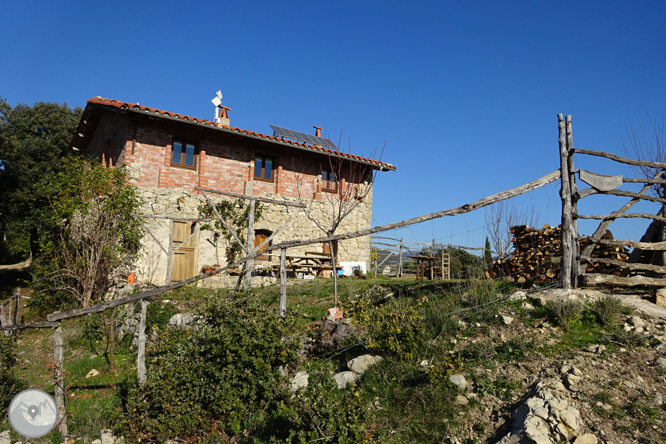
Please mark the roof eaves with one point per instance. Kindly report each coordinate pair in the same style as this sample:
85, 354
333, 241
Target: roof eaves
382, 166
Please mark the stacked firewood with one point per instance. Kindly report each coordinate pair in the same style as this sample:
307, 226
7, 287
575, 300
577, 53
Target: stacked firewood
537, 255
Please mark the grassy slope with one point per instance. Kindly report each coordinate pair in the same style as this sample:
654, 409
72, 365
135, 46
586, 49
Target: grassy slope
407, 401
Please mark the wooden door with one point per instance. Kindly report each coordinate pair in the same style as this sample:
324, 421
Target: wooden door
183, 261
259, 237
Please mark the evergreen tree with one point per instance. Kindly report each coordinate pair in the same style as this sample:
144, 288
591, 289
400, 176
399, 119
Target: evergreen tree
33, 143
488, 254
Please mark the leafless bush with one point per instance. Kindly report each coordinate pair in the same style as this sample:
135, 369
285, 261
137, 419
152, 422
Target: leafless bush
503, 215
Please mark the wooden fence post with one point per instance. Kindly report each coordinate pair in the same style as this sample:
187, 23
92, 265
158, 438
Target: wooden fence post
58, 363
248, 248
15, 318
573, 189
4, 317
282, 310
400, 260
567, 219
169, 254
141, 353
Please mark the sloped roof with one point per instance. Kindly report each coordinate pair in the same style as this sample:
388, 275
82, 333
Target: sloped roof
135, 107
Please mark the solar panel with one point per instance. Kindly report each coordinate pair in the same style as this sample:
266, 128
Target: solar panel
302, 137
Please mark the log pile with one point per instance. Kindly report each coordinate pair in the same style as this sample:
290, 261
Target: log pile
537, 255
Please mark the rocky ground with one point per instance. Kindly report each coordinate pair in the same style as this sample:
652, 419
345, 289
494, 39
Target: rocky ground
591, 394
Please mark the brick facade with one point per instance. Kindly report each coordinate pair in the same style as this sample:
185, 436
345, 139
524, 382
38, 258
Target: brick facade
141, 139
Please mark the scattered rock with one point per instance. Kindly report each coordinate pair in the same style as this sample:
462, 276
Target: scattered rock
657, 400
518, 296
459, 381
635, 321
595, 348
362, 363
5, 438
343, 379
507, 320
92, 373
604, 406
587, 438
543, 417
661, 297
461, 400
661, 362
527, 306
300, 380
97, 441
107, 437
180, 320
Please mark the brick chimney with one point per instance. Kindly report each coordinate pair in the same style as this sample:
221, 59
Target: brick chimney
317, 130
223, 117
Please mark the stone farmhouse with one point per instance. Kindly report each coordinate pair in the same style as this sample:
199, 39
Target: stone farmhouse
171, 158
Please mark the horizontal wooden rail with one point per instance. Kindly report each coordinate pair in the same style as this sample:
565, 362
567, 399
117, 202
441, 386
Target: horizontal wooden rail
646, 163
621, 216
13, 327
634, 266
590, 191
655, 246
652, 181
633, 281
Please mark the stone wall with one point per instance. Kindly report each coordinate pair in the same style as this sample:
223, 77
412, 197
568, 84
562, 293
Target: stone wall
178, 203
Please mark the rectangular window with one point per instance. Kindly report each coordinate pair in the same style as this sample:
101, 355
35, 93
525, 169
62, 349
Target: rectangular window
263, 168
183, 154
328, 181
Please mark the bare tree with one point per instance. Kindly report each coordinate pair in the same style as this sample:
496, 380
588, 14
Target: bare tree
647, 146
503, 215
342, 184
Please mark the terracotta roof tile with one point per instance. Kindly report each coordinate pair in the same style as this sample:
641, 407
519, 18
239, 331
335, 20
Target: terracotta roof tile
135, 106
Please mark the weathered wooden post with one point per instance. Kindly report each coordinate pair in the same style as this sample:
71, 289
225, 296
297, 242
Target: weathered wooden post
282, 310
141, 353
400, 260
169, 254
573, 189
58, 362
432, 261
567, 219
248, 246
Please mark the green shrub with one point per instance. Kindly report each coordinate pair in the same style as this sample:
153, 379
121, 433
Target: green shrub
10, 385
607, 309
393, 326
220, 380
565, 312
158, 315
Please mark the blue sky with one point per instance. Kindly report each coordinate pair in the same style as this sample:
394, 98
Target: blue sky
463, 95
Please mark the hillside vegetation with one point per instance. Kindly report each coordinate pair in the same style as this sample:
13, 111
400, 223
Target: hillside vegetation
462, 362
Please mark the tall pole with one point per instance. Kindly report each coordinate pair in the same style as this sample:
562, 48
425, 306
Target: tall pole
575, 253
400, 260
141, 353
250, 243
282, 310
565, 195
59, 388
